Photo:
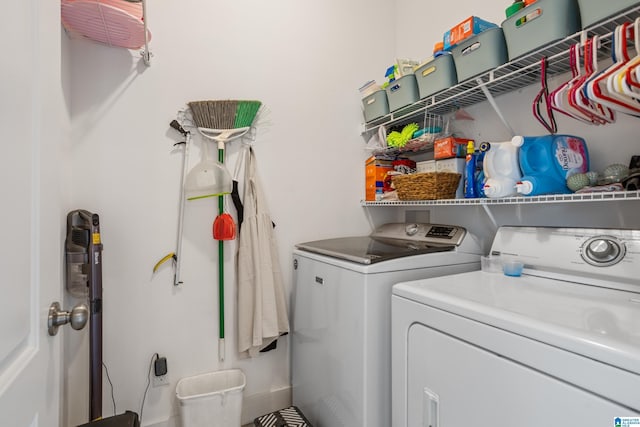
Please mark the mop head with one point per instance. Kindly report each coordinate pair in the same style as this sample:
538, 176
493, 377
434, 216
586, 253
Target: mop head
225, 114
400, 139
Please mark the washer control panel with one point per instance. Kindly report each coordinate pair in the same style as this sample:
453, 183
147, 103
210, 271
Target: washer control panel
421, 232
603, 251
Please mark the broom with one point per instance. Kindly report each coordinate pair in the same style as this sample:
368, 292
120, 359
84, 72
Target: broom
223, 121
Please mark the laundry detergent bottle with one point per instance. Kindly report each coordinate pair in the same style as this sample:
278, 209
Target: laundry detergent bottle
470, 172
501, 169
547, 161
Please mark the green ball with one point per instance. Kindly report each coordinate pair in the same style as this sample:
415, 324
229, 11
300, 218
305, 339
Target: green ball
577, 181
615, 172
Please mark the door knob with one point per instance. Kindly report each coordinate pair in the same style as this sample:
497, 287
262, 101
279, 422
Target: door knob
77, 317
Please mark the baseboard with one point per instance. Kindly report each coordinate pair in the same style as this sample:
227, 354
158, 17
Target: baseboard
262, 403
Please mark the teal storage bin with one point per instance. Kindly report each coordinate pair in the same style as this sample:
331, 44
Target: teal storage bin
479, 53
375, 105
402, 92
436, 75
594, 11
539, 24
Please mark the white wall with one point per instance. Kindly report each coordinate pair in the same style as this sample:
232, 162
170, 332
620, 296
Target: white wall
305, 62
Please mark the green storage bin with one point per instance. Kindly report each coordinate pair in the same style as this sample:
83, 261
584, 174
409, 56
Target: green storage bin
479, 53
436, 75
402, 92
539, 24
593, 11
375, 105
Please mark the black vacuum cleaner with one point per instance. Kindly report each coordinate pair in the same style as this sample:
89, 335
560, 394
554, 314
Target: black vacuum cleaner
83, 247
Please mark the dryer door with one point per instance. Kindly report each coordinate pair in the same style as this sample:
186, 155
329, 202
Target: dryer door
452, 383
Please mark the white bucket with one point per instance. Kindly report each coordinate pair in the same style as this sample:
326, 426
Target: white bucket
211, 400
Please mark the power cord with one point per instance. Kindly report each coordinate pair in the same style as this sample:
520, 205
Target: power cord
113, 399
144, 397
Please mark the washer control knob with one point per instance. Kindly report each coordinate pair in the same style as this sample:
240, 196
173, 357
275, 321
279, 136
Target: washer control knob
411, 229
603, 251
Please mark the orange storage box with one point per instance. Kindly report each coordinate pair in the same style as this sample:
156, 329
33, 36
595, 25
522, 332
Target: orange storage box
446, 148
375, 172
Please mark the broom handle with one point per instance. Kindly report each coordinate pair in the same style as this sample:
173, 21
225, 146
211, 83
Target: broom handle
221, 349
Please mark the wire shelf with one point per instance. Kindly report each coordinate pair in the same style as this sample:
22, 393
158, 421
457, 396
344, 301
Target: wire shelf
554, 198
436, 126
519, 73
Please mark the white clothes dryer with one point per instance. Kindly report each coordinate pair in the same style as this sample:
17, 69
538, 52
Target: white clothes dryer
558, 345
341, 355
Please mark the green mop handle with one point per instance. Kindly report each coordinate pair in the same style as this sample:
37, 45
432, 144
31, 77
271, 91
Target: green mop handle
221, 349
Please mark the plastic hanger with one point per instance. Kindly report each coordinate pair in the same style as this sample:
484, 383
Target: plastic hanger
543, 97
563, 98
629, 83
597, 87
612, 87
596, 112
625, 82
557, 98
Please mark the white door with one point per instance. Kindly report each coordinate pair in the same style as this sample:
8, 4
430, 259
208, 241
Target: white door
31, 104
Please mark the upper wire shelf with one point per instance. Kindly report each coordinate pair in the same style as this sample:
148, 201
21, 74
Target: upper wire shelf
511, 76
554, 198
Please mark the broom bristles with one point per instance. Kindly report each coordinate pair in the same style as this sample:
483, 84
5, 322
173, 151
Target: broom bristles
224, 114
246, 113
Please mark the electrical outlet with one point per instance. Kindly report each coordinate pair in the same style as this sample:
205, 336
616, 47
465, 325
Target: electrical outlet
159, 381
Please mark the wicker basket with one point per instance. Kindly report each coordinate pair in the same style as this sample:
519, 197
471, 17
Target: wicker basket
427, 186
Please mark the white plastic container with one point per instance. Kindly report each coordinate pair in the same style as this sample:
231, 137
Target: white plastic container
501, 170
211, 400
426, 166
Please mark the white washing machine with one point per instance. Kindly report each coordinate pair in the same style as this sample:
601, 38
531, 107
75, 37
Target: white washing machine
341, 355
559, 345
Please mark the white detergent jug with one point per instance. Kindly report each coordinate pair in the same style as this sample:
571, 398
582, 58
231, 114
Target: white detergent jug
501, 169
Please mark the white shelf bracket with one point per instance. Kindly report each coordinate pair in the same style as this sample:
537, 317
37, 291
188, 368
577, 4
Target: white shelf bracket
492, 101
146, 53
487, 210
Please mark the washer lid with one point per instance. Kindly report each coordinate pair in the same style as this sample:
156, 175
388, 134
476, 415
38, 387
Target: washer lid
599, 323
369, 250
389, 241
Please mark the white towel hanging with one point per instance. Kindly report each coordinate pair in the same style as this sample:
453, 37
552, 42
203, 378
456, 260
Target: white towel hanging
262, 310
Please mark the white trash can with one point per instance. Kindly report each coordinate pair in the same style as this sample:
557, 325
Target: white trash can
211, 400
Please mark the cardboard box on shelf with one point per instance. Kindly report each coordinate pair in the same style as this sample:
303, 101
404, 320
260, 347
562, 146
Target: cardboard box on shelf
375, 171
465, 29
448, 147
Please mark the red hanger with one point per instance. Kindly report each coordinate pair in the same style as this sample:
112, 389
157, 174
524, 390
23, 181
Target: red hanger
543, 97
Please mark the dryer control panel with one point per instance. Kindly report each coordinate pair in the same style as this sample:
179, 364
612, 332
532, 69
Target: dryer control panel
605, 257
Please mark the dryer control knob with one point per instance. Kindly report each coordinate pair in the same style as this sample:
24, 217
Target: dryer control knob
603, 251
411, 229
